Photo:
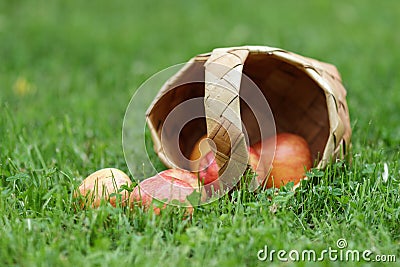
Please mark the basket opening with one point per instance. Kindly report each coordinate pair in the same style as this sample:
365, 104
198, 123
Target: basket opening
186, 133
297, 102
180, 135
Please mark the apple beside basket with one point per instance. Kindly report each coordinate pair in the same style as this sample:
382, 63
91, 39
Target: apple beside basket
241, 95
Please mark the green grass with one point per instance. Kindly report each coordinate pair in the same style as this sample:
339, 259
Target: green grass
81, 63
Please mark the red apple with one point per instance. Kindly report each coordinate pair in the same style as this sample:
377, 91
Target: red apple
163, 188
257, 165
203, 164
256, 148
100, 184
208, 174
262, 153
291, 160
188, 177
208, 169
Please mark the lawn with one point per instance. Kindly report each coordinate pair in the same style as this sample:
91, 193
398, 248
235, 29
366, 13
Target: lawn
67, 72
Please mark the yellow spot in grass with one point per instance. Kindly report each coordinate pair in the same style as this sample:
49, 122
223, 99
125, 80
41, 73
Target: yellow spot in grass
22, 87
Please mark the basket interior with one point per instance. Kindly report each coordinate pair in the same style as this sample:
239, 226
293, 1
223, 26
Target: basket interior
298, 105
297, 102
186, 87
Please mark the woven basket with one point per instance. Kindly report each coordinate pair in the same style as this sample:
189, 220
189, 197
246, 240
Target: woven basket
306, 97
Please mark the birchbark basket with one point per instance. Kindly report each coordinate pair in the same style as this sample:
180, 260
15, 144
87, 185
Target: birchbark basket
306, 97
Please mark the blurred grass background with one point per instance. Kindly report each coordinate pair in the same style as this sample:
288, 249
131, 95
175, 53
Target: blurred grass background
69, 68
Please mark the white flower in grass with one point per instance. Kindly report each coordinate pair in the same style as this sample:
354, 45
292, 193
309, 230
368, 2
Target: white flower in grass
385, 174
